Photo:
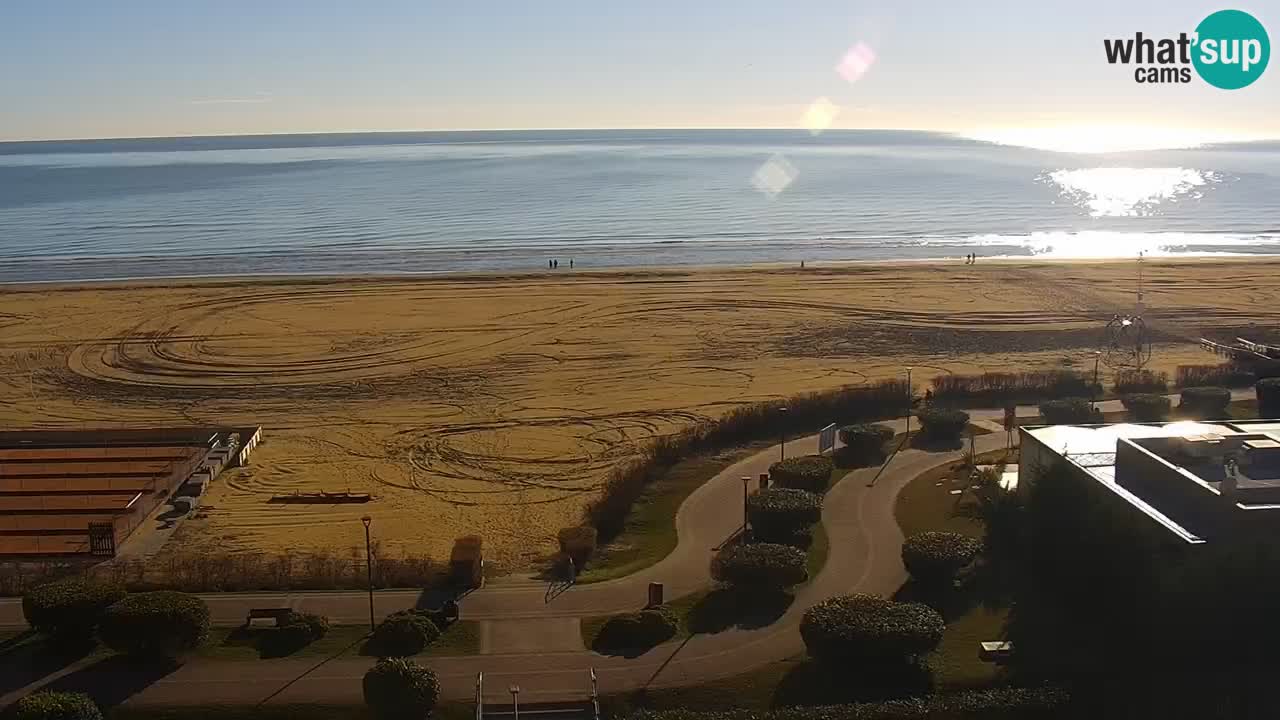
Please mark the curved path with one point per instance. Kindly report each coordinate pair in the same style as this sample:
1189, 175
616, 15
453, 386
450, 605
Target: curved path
534, 642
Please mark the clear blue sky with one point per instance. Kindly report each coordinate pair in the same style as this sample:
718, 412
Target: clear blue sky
114, 68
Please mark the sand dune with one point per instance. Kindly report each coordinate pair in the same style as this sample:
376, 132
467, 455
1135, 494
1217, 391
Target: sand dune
496, 405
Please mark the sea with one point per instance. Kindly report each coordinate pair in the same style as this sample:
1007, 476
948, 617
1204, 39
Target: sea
483, 201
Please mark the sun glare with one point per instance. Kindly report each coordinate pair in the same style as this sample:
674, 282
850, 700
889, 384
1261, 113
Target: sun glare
1101, 138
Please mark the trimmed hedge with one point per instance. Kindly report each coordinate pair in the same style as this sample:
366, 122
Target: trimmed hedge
403, 633
1147, 408
1069, 411
1268, 392
860, 628
1224, 375
1008, 702
155, 624
808, 472
644, 629
765, 567
935, 558
399, 689
48, 705
1129, 382
69, 609
942, 424
578, 543
779, 514
1205, 403
863, 442
999, 389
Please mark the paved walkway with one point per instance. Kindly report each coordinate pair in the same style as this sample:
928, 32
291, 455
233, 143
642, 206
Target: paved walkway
534, 642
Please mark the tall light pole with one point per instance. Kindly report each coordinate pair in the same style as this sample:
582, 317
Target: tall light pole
746, 480
782, 430
908, 436
1093, 392
515, 701
368, 564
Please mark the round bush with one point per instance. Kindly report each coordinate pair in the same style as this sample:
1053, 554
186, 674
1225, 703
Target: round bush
765, 567
287, 639
399, 689
1147, 408
856, 628
809, 472
1068, 411
403, 633
1268, 392
47, 705
862, 444
942, 424
644, 629
317, 625
934, 558
155, 624
69, 609
1205, 403
579, 543
778, 514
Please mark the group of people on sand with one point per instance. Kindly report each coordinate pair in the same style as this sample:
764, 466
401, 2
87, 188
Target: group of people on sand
555, 264
971, 258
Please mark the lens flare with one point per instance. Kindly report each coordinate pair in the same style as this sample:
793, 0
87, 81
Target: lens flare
774, 175
819, 116
856, 62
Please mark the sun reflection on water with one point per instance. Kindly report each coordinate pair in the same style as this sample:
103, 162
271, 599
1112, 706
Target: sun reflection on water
1129, 192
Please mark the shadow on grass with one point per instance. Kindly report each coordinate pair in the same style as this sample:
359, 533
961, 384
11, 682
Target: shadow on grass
725, 608
857, 461
951, 603
814, 683
114, 679
26, 658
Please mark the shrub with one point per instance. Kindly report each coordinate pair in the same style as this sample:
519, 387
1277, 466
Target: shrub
1069, 411
1224, 375
1128, 382
295, 632
156, 624
863, 443
808, 472
763, 567
999, 389
1205, 402
399, 689
942, 424
778, 514
579, 543
935, 558
69, 609
403, 633
47, 705
1147, 408
869, 628
1268, 391
1041, 703
644, 629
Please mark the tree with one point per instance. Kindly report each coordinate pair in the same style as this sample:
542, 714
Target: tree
780, 514
69, 610
868, 628
935, 558
760, 567
808, 472
399, 689
156, 624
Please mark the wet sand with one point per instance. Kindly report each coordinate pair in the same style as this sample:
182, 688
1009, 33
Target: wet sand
496, 404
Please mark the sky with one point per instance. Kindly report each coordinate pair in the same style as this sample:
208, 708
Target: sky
142, 68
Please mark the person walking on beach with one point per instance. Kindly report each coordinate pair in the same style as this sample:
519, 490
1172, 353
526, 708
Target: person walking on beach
549, 264
555, 264
570, 263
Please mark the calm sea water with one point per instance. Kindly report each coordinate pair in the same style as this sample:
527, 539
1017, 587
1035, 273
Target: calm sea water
441, 202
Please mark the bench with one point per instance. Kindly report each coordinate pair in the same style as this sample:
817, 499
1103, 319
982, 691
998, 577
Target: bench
995, 651
275, 615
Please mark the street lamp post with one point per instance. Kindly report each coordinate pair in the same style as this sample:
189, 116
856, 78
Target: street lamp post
368, 564
515, 701
1093, 391
908, 436
746, 480
782, 428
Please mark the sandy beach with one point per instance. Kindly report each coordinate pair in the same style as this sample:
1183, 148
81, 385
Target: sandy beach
496, 404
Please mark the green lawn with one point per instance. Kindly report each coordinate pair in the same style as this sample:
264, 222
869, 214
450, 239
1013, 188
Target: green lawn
924, 505
460, 638
650, 532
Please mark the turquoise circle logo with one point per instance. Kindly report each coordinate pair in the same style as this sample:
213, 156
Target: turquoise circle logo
1232, 49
